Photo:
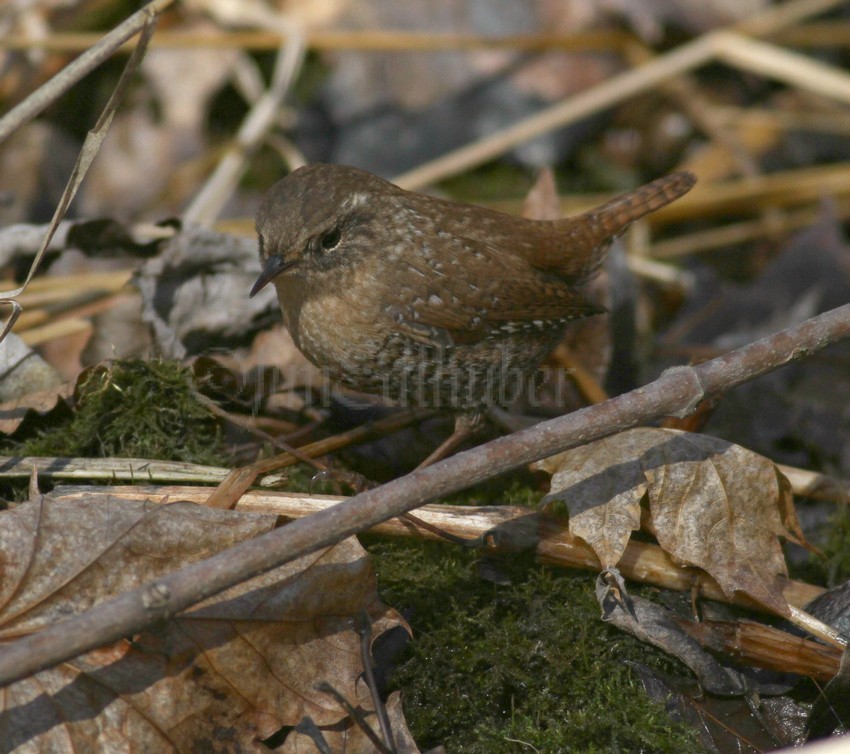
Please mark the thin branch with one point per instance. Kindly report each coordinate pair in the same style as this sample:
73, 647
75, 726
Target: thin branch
91, 147
726, 236
363, 626
143, 470
792, 188
51, 90
676, 392
779, 17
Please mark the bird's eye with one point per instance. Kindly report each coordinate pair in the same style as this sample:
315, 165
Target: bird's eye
330, 239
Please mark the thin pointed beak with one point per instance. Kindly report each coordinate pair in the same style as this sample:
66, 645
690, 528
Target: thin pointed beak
275, 264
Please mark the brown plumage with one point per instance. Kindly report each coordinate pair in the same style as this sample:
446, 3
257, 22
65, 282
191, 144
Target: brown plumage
428, 301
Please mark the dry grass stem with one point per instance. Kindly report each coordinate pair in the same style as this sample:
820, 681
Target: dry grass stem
727, 46
146, 18
724, 236
259, 121
100, 51
554, 545
62, 328
376, 40
136, 470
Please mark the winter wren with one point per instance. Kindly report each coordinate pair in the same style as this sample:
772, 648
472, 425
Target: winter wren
427, 301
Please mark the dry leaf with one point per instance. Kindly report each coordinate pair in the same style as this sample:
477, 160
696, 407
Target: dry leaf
351, 739
657, 625
41, 403
712, 504
221, 676
195, 292
22, 370
724, 724
28, 385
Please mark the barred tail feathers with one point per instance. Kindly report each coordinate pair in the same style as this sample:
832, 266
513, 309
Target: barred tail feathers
592, 232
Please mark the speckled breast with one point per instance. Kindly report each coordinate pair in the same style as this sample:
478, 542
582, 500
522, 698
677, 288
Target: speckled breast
459, 377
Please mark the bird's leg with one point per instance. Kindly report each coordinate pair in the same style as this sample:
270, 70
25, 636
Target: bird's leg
466, 425
353, 479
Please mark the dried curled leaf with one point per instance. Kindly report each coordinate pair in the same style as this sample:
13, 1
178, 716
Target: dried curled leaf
351, 739
712, 504
194, 292
221, 676
657, 625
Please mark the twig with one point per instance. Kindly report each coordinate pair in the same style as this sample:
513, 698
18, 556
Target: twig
676, 392
91, 146
686, 93
766, 647
777, 18
73, 288
246, 424
772, 22
586, 384
774, 62
63, 328
688, 97
83, 306
51, 90
331, 444
356, 716
238, 481
143, 470
834, 33
816, 486
363, 627
785, 188
832, 121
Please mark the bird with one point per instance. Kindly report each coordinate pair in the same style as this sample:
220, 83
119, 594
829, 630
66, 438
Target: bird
427, 301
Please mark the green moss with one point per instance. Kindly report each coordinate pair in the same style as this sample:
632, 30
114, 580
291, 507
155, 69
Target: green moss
834, 568
135, 409
494, 665
837, 548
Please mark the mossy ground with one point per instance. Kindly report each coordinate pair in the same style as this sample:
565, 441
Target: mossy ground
519, 667
492, 667
133, 409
